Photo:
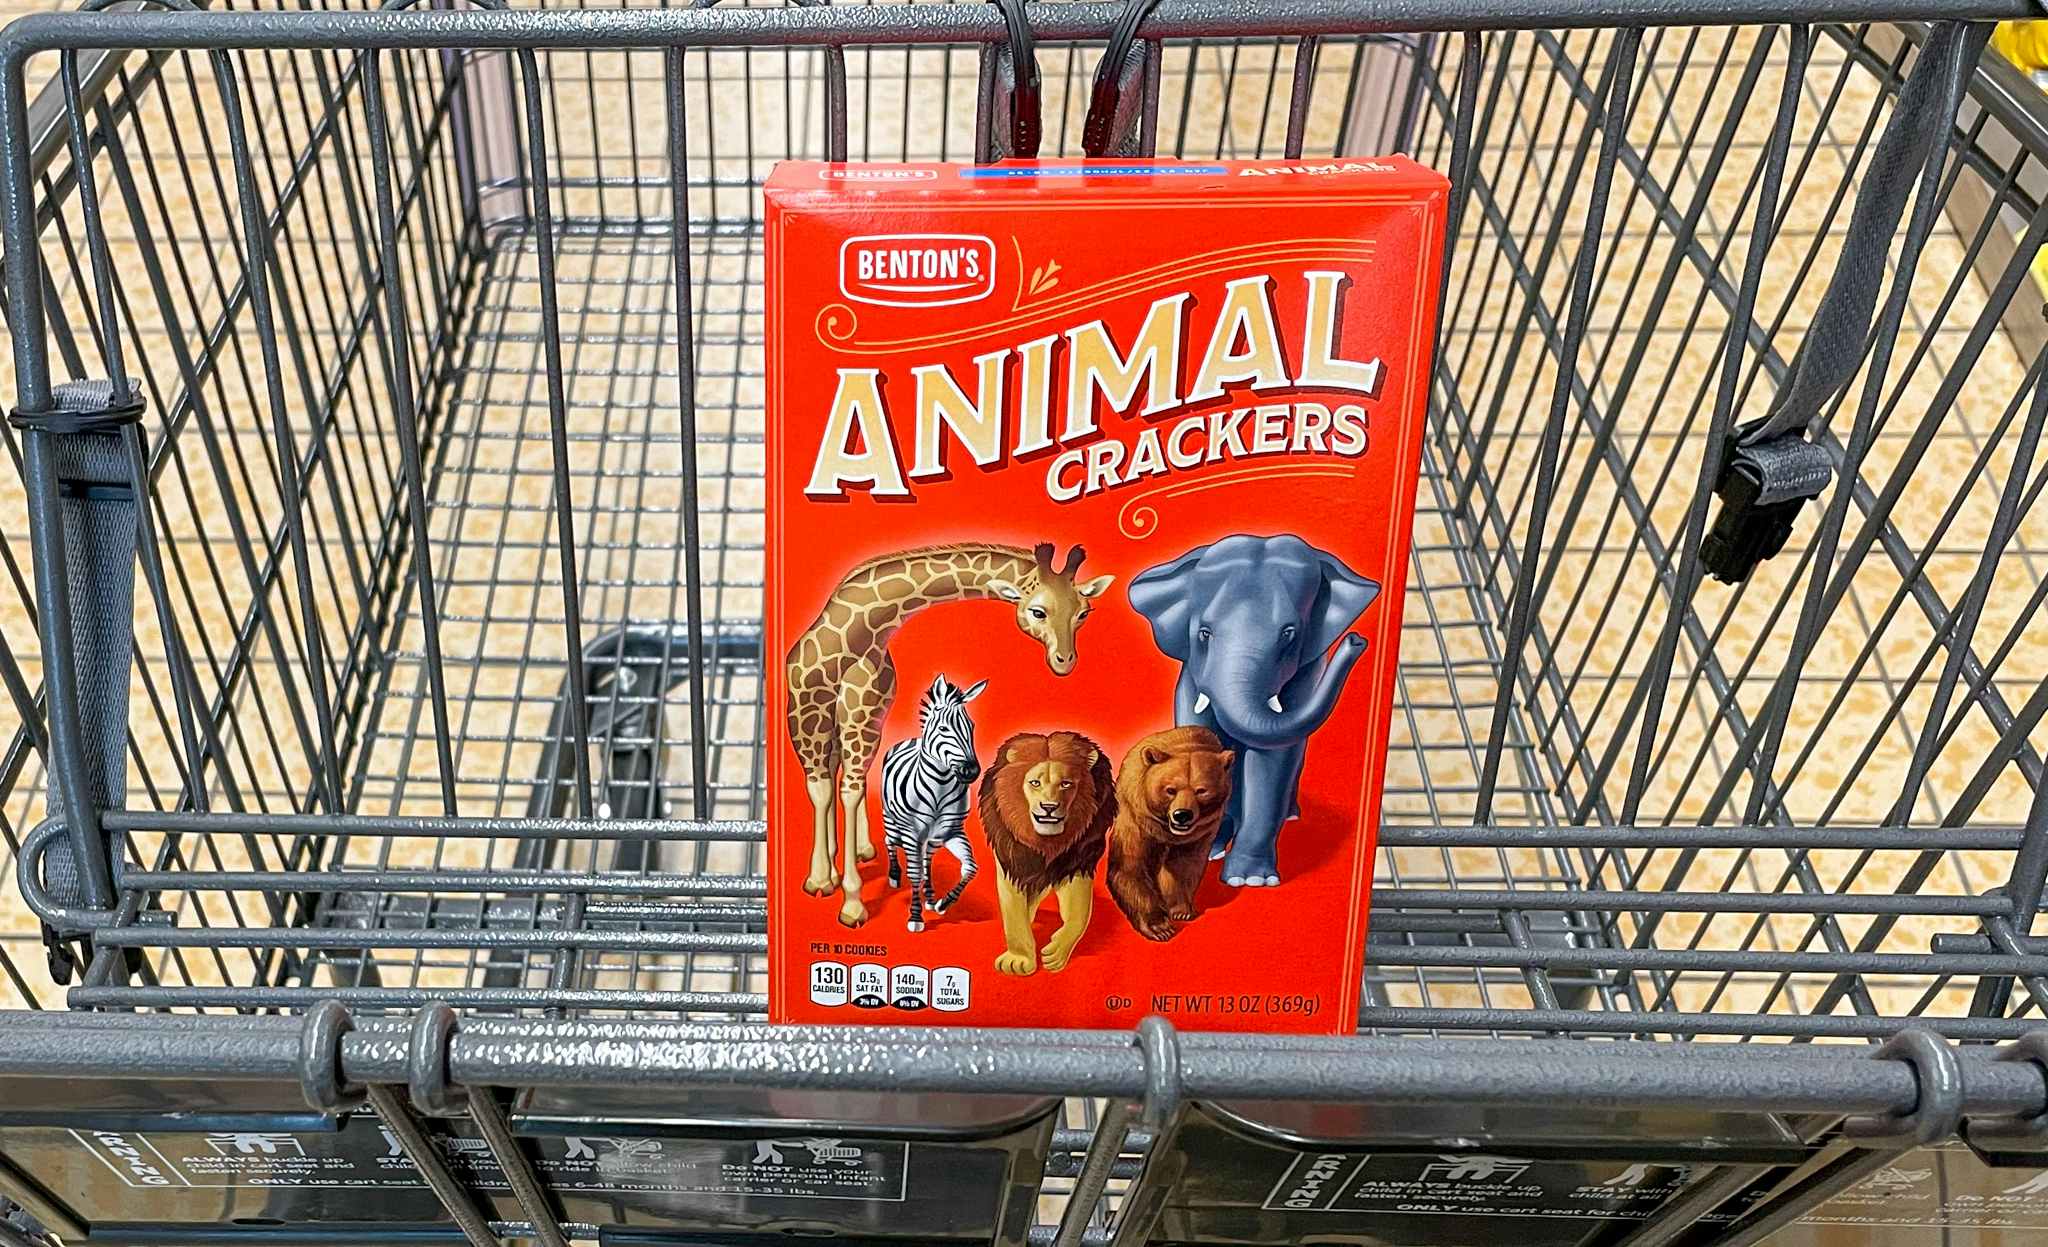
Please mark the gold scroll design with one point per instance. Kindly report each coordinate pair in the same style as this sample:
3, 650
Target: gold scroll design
837, 324
1139, 519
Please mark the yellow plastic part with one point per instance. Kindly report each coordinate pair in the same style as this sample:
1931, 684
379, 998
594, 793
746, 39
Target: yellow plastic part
2025, 44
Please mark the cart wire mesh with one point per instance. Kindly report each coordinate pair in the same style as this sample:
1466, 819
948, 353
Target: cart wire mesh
446, 682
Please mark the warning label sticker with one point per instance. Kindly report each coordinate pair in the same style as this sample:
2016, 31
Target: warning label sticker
1471, 1184
1945, 1187
787, 1168
228, 1159
1940, 1188
808, 1167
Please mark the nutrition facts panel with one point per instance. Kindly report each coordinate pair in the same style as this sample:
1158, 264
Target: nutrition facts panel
871, 985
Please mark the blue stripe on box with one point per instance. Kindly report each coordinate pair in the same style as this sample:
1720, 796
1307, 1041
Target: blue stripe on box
1092, 171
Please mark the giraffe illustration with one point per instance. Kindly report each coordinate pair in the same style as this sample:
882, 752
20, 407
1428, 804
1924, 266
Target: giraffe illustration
842, 681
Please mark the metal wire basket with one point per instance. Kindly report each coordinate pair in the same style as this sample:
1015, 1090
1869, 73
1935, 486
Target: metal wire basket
396, 535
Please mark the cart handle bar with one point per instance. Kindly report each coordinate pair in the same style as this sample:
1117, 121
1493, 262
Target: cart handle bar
677, 1056
894, 24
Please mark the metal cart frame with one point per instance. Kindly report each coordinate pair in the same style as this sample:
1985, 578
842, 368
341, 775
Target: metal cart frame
1555, 876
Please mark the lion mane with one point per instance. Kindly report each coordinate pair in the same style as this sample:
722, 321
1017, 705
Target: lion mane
1033, 862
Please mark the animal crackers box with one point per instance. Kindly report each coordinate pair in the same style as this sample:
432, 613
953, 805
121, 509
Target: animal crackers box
1089, 493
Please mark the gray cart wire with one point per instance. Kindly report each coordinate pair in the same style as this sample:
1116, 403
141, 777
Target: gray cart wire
405, 742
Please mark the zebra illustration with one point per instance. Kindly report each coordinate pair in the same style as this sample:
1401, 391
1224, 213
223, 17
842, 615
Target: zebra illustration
924, 795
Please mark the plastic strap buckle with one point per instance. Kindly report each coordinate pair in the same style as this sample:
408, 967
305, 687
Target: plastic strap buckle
83, 407
1763, 486
59, 956
61, 949
1100, 133
1019, 85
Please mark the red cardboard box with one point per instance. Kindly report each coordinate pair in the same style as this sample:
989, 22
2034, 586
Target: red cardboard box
1089, 497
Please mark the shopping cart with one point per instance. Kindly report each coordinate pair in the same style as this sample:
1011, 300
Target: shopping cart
387, 415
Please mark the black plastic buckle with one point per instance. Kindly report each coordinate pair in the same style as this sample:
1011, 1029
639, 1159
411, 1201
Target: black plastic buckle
83, 407
1763, 485
59, 956
1100, 132
63, 951
1019, 82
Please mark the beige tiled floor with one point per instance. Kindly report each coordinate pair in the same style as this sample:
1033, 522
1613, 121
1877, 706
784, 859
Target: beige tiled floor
491, 530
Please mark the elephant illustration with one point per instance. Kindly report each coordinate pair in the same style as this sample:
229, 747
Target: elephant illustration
1252, 621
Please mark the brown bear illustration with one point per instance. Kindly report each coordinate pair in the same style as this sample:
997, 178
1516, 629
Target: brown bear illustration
1170, 794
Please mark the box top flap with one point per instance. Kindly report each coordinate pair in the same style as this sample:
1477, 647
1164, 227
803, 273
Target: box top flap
796, 182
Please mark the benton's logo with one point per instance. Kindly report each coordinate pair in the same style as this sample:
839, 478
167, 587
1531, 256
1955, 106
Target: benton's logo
844, 174
917, 270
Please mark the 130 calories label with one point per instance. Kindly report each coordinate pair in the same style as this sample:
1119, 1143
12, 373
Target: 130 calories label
794, 1167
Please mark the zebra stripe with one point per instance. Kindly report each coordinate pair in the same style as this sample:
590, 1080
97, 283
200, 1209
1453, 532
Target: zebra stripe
925, 784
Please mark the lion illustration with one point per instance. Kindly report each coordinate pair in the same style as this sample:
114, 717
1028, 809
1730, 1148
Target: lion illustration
1046, 805
1171, 793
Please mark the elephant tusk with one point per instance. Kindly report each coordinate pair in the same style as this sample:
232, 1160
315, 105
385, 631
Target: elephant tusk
1273, 703
1201, 702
